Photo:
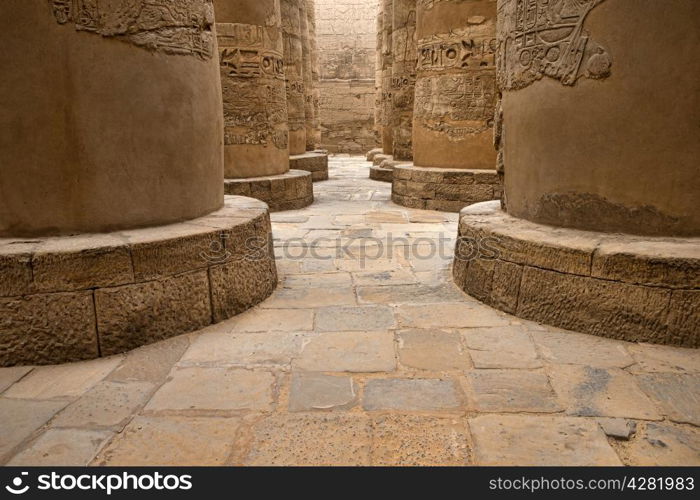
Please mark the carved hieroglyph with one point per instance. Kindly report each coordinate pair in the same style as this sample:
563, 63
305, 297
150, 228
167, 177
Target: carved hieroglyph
386, 64
306, 36
547, 38
403, 77
455, 92
170, 26
294, 75
252, 80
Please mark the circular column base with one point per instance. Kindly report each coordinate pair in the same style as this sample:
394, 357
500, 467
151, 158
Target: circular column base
372, 152
81, 297
443, 189
381, 174
315, 162
379, 158
289, 191
626, 287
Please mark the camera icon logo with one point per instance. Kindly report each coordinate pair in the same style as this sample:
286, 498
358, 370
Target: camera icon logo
16, 487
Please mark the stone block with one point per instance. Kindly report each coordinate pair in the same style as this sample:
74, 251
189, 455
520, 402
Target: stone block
16, 269
81, 262
132, 315
433, 349
677, 395
597, 392
293, 439
172, 441
606, 308
240, 284
348, 352
348, 318
562, 347
20, 420
412, 440
244, 349
509, 391
10, 375
214, 388
448, 315
684, 318
652, 358
501, 347
62, 448
411, 395
150, 363
505, 286
106, 405
524, 440
317, 391
663, 444
47, 328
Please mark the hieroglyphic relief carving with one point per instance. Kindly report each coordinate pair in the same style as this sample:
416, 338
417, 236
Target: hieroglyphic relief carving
293, 61
546, 38
466, 52
456, 104
252, 80
172, 26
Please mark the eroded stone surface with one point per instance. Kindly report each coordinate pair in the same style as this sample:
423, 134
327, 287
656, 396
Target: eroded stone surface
348, 351
436, 350
411, 395
506, 391
539, 441
62, 447
316, 391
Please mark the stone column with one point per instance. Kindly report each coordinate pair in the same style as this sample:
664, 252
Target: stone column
114, 228
378, 81
386, 65
455, 96
600, 155
251, 54
306, 74
252, 78
403, 77
315, 74
294, 75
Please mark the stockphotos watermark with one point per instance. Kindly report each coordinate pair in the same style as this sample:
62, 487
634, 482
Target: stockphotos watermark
360, 248
104, 483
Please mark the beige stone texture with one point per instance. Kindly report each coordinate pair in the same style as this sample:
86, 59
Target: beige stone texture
85, 148
539, 441
290, 190
62, 448
661, 444
62, 381
411, 395
20, 419
215, 388
292, 439
348, 352
676, 395
172, 441
150, 363
598, 392
317, 391
294, 74
412, 440
511, 391
434, 350
501, 347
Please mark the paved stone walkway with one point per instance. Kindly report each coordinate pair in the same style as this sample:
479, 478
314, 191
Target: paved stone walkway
366, 354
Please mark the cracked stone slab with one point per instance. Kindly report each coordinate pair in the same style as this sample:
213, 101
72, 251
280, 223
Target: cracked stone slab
561, 346
664, 444
21, 418
363, 318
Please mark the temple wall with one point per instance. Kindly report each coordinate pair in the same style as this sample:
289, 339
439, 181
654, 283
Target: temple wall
346, 39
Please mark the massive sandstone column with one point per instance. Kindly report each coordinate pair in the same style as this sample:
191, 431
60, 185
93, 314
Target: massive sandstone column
403, 77
255, 108
455, 97
252, 78
600, 153
386, 65
315, 74
311, 160
307, 75
378, 81
294, 75
114, 231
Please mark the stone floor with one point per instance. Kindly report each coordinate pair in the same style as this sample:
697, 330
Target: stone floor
365, 354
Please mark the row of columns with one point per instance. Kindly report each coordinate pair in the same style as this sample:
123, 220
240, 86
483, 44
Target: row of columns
267, 58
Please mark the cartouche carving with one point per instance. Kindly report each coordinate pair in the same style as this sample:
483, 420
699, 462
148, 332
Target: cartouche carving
546, 38
171, 26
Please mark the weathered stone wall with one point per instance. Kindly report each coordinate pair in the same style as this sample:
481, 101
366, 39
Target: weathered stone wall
346, 41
